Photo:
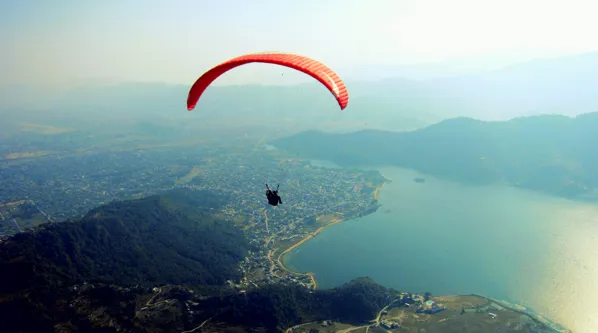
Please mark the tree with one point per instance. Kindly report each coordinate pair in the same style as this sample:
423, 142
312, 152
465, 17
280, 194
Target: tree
427, 295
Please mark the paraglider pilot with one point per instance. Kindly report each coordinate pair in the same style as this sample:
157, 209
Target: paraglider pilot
273, 197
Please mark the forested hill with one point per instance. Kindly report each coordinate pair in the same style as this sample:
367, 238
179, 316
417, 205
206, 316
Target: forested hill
99, 273
554, 154
278, 306
131, 252
173, 238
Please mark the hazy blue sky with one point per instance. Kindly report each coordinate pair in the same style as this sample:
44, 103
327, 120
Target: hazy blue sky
175, 41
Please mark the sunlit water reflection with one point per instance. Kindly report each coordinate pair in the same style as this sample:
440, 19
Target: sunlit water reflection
443, 237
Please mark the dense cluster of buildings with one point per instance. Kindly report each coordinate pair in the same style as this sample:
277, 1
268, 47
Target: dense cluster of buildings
68, 187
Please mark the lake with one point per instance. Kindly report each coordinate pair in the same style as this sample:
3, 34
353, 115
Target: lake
446, 238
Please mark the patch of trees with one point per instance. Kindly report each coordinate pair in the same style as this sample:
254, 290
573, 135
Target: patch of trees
173, 238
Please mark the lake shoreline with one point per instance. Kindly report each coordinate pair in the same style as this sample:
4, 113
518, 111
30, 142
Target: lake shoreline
280, 259
527, 221
527, 312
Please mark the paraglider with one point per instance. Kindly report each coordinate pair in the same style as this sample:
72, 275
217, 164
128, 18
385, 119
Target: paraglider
273, 197
311, 67
314, 68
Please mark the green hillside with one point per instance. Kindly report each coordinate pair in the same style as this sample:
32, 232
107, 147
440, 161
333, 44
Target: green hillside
552, 154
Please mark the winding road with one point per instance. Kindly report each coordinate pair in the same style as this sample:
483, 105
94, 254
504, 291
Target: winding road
350, 329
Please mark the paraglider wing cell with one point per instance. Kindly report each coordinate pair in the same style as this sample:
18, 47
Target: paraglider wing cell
304, 64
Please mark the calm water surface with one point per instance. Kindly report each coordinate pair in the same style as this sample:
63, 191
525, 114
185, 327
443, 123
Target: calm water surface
447, 238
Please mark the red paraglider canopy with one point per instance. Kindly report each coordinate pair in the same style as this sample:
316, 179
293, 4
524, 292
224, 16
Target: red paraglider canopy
306, 65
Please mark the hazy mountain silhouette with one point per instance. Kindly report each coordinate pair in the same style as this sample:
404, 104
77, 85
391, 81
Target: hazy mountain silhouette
554, 154
563, 85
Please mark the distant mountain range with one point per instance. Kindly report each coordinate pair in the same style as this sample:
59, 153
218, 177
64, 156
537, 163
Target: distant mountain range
565, 86
553, 154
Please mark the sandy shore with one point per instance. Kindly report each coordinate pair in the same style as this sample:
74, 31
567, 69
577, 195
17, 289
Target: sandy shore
294, 246
376, 192
334, 221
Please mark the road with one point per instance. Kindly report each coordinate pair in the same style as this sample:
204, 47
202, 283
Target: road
350, 329
41, 211
149, 303
16, 224
266, 217
272, 263
269, 255
13, 221
290, 329
48, 218
383, 309
198, 327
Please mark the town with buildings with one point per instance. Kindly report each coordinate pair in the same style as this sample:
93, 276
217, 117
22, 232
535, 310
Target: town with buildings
55, 188
48, 189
